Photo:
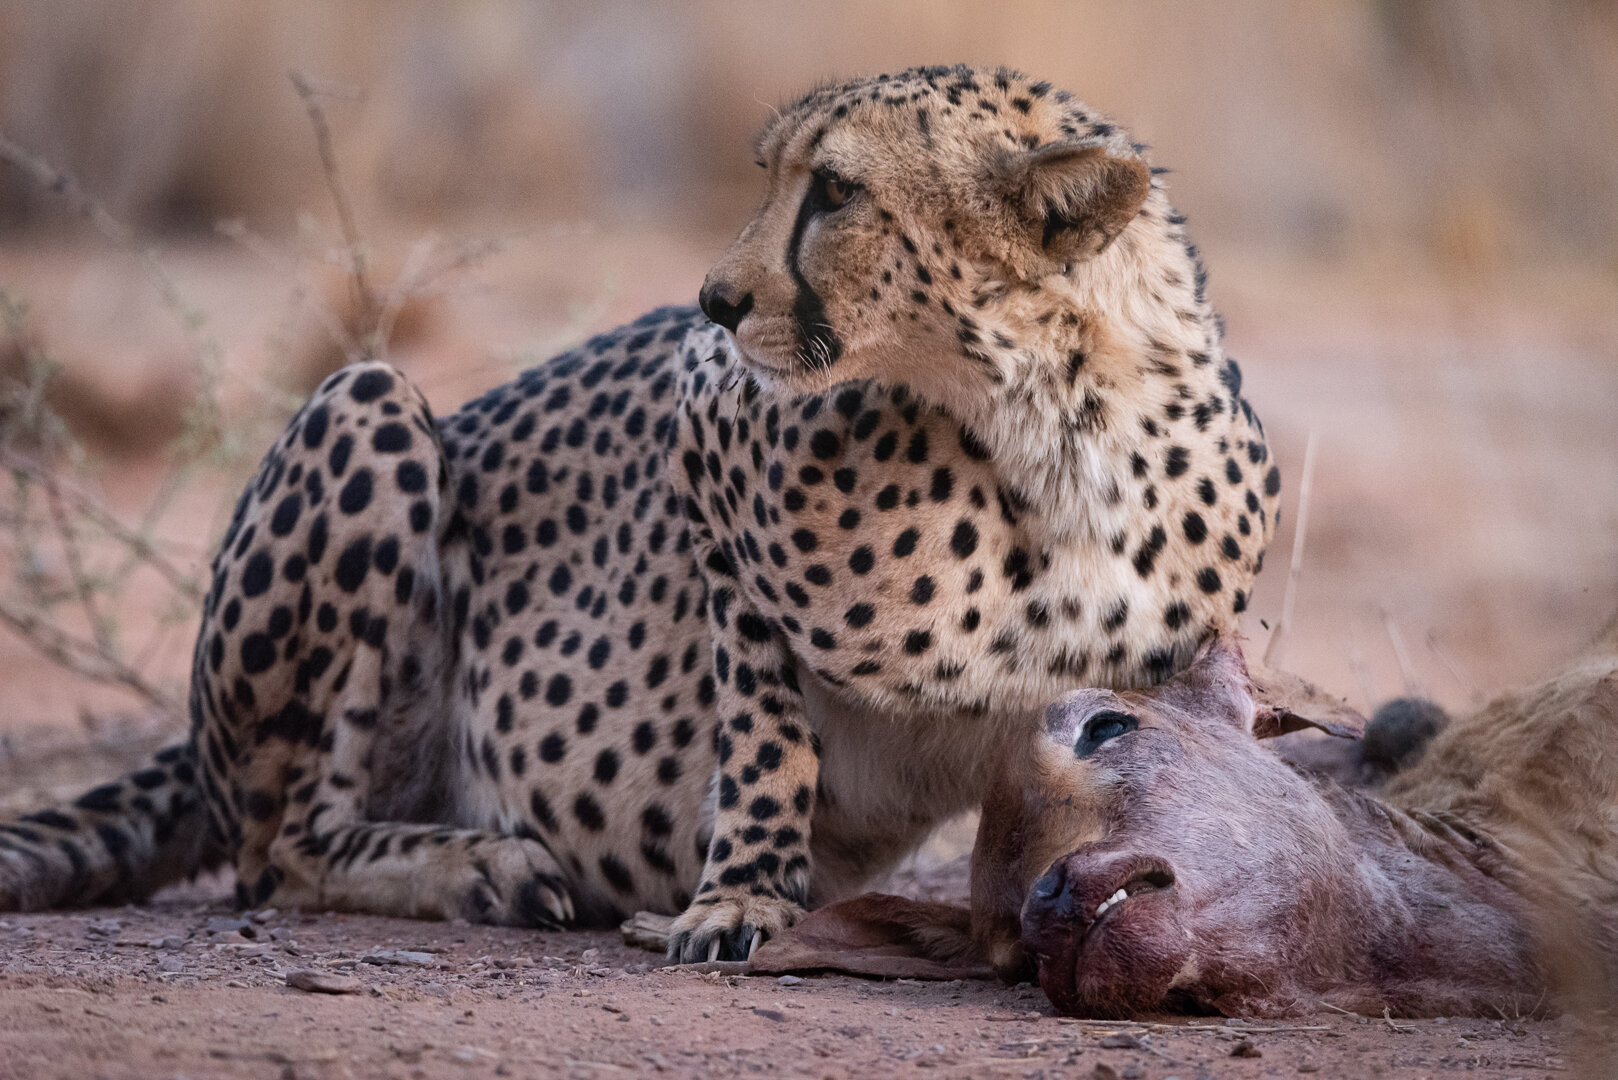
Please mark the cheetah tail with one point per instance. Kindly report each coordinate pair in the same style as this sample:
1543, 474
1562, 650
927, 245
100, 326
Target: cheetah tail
115, 843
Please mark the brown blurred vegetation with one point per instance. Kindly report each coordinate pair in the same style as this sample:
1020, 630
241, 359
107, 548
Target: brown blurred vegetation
1408, 207
1465, 132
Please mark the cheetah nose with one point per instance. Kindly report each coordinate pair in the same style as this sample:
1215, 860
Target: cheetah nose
721, 304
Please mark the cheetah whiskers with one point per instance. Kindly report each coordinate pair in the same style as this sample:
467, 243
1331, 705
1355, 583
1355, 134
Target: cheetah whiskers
821, 358
734, 379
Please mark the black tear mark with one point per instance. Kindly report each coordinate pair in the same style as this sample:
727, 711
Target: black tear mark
817, 341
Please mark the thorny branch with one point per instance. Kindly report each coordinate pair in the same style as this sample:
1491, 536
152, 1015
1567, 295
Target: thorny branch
358, 273
83, 657
96, 513
41, 457
38, 452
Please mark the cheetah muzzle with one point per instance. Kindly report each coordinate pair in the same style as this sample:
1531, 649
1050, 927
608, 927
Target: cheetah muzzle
721, 617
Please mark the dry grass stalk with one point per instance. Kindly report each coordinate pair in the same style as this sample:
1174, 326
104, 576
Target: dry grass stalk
1272, 651
1401, 655
1468, 685
365, 298
303, 295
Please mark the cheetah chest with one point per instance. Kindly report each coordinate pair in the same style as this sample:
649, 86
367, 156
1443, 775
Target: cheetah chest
875, 535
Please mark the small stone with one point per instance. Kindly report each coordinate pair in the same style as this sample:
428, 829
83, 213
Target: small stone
321, 982
770, 1014
263, 916
1245, 1049
224, 924
1119, 1040
171, 964
280, 933
400, 957
230, 937
105, 928
789, 980
1103, 1071
1132, 1072
1308, 1067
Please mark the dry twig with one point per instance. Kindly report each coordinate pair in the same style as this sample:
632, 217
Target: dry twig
1305, 487
1401, 655
1468, 685
365, 298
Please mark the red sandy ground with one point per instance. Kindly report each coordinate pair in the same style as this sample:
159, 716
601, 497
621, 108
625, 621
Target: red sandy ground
1465, 509
151, 992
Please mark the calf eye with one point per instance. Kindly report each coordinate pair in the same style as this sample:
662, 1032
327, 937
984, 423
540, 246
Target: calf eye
830, 191
1104, 725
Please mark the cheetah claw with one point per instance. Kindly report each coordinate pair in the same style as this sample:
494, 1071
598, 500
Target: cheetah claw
729, 930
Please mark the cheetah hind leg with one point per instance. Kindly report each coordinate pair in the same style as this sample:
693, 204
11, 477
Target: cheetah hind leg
330, 851
323, 716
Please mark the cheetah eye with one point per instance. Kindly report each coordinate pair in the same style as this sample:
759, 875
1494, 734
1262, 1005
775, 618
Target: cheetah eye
1102, 726
830, 192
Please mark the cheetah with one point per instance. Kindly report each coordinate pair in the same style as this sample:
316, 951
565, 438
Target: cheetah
719, 613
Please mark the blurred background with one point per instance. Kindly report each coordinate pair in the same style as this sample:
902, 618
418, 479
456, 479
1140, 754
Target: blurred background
1409, 208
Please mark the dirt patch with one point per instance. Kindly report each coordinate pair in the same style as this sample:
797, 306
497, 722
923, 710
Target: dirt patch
189, 987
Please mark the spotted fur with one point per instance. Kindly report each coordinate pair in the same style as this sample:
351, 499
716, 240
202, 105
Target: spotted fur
721, 619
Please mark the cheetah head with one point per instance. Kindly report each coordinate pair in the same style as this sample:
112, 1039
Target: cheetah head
904, 213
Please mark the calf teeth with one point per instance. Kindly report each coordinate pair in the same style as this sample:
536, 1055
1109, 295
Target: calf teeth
1109, 902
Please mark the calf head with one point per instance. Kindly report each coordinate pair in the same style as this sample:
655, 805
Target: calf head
1147, 852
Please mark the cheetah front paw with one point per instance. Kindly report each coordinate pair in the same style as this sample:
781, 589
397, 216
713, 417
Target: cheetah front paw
721, 927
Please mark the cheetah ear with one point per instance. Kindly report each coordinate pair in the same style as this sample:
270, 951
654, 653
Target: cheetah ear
1070, 201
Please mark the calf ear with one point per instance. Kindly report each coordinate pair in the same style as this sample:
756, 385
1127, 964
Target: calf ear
1265, 701
1287, 703
1214, 685
875, 934
1070, 201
